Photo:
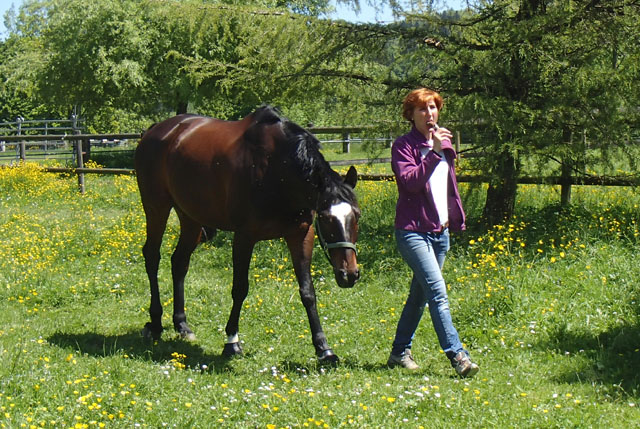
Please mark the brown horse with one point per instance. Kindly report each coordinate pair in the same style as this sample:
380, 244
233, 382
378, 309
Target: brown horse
262, 177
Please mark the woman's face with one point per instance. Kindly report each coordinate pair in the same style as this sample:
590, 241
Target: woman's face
425, 117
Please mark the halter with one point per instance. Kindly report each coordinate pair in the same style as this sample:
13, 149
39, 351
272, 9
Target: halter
328, 246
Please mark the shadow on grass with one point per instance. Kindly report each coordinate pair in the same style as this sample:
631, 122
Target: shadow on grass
135, 346
322, 368
614, 357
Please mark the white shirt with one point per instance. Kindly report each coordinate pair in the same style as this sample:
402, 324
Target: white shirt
438, 183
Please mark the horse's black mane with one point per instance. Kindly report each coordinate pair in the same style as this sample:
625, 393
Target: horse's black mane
305, 151
268, 115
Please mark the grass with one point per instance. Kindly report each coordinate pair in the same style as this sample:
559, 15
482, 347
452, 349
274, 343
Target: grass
547, 303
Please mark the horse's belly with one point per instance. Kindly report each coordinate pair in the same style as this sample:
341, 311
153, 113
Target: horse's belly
208, 197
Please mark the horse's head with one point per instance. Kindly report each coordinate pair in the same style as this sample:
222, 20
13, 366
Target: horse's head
337, 229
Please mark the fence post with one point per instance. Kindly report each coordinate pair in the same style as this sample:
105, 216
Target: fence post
22, 147
74, 124
79, 164
86, 145
458, 138
346, 143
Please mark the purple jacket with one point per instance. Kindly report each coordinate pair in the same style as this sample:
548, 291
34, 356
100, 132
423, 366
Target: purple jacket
415, 209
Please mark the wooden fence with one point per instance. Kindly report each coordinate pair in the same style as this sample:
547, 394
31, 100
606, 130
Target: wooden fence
81, 144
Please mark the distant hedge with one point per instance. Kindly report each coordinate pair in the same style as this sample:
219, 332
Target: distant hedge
114, 158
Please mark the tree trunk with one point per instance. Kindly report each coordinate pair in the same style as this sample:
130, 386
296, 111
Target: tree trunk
567, 168
181, 107
565, 183
501, 194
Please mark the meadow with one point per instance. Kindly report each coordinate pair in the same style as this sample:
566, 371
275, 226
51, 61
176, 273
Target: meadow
547, 303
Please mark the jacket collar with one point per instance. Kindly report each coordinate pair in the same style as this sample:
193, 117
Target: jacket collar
418, 138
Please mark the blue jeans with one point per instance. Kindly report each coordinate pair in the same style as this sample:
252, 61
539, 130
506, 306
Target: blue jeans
425, 253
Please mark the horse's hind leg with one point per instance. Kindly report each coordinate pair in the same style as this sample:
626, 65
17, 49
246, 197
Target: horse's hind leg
156, 224
189, 238
242, 250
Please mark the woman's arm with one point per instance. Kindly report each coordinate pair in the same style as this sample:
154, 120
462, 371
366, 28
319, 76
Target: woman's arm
411, 170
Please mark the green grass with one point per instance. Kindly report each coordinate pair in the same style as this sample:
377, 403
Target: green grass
547, 304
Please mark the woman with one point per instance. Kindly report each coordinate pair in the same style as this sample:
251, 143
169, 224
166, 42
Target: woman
428, 206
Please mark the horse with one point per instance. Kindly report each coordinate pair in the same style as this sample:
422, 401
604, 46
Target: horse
262, 177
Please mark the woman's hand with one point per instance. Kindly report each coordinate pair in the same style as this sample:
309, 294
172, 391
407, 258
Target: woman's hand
437, 135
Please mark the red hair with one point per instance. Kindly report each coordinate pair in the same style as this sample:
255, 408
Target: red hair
419, 97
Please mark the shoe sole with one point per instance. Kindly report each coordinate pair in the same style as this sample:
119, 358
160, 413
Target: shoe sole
472, 371
395, 364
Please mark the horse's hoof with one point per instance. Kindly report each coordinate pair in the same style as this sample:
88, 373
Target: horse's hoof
184, 330
232, 349
149, 333
328, 357
188, 336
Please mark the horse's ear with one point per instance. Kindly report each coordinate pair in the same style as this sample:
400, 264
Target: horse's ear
352, 177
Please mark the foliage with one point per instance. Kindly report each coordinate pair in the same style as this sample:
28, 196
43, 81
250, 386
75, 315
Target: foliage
114, 158
19, 68
154, 58
547, 303
532, 79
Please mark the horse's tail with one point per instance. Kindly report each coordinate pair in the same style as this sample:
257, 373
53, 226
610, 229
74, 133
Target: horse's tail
149, 129
207, 234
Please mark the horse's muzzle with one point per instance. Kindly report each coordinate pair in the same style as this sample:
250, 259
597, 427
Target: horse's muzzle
346, 279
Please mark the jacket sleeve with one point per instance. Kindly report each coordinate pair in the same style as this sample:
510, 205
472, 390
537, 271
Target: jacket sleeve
447, 146
411, 170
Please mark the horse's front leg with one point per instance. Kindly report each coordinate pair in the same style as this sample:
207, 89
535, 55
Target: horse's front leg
242, 250
301, 248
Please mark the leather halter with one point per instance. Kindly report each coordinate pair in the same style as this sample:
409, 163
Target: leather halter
328, 246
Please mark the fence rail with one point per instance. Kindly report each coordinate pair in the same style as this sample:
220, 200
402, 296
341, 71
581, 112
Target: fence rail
71, 137
462, 178
21, 126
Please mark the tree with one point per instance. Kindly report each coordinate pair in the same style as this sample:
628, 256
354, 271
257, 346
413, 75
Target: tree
531, 74
21, 62
154, 57
96, 53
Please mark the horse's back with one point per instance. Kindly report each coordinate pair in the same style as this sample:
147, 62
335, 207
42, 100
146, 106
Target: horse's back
191, 130
187, 161
183, 140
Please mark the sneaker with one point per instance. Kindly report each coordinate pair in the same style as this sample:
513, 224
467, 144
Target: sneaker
463, 365
404, 360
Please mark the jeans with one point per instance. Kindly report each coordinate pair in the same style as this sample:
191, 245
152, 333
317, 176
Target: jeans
425, 253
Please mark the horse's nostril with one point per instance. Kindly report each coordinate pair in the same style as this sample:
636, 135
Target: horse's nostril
341, 275
346, 278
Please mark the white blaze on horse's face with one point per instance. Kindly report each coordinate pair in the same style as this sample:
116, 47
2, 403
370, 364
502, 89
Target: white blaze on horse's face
341, 211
